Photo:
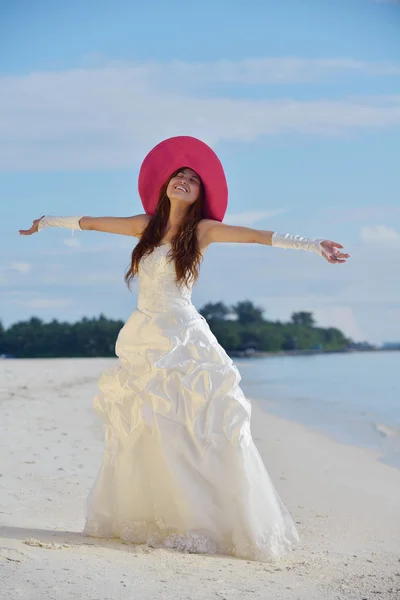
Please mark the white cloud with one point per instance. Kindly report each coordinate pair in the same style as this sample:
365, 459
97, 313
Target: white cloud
44, 303
29, 298
249, 71
93, 248
346, 214
72, 242
246, 219
21, 267
341, 317
85, 279
328, 308
381, 235
110, 117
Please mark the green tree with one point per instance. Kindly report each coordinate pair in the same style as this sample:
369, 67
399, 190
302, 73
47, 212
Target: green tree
217, 310
248, 313
303, 318
227, 334
97, 336
2, 339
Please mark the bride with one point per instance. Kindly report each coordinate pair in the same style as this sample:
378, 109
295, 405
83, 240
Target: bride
180, 468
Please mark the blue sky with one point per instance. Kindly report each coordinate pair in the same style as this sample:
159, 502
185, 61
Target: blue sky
301, 100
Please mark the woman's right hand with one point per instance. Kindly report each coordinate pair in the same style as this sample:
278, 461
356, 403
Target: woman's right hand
33, 229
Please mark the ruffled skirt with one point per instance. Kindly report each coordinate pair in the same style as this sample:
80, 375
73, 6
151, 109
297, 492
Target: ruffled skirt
180, 469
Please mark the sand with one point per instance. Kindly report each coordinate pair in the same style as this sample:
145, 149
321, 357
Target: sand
346, 504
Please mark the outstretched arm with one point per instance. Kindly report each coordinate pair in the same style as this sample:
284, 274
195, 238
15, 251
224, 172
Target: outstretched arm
131, 226
214, 231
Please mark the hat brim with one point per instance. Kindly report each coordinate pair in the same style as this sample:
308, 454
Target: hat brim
178, 152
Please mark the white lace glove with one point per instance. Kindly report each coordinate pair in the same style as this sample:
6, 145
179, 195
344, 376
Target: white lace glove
66, 222
296, 242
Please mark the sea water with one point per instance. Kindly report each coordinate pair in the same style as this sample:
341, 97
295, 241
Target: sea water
354, 397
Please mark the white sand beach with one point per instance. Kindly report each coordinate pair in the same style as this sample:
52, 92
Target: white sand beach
345, 502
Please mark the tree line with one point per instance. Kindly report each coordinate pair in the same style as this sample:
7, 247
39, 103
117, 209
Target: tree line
238, 328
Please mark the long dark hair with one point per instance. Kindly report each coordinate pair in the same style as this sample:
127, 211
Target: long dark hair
185, 246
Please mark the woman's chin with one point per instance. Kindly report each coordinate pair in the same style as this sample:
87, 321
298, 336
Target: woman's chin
181, 200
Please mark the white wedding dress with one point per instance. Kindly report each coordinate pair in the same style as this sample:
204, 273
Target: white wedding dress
180, 468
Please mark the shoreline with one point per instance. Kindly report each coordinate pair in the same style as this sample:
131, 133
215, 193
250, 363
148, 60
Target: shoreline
343, 500
232, 354
308, 352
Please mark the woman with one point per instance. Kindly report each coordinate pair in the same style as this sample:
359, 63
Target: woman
180, 468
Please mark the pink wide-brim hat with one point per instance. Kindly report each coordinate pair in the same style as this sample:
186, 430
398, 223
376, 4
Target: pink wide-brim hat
176, 153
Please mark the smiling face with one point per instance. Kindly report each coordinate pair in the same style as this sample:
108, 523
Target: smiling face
184, 186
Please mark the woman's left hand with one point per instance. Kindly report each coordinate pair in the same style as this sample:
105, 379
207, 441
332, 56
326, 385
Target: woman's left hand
331, 252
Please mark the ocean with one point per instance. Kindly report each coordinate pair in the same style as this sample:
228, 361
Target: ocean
353, 397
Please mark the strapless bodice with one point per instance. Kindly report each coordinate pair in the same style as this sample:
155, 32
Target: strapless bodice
158, 290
